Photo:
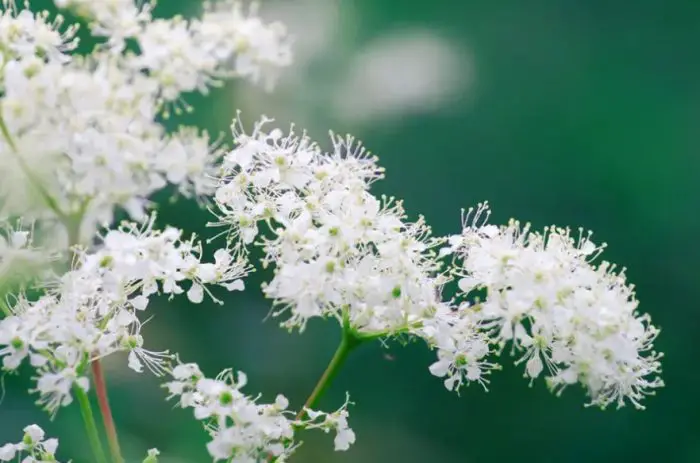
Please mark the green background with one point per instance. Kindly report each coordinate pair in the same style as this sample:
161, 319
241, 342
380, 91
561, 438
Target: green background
579, 113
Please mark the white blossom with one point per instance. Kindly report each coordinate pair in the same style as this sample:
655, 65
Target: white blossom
336, 422
241, 429
187, 55
93, 310
81, 138
462, 348
33, 447
89, 133
80, 135
338, 251
190, 161
24, 33
567, 317
115, 19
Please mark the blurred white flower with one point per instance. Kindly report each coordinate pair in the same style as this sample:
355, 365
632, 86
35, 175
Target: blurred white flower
410, 71
399, 72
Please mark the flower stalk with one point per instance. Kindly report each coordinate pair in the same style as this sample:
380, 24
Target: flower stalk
348, 342
107, 418
90, 425
73, 230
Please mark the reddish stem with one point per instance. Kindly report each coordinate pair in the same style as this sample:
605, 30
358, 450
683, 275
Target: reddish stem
106, 411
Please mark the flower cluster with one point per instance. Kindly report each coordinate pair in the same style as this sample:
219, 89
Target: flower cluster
24, 34
81, 139
182, 56
115, 19
92, 311
241, 429
80, 134
564, 314
338, 250
463, 349
33, 444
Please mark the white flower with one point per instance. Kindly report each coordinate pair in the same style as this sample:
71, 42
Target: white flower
82, 135
568, 317
33, 444
253, 49
462, 349
91, 312
34, 433
184, 56
24, 33
338, 251
241, 429
116, 19
190, 162
336, 421
81, 138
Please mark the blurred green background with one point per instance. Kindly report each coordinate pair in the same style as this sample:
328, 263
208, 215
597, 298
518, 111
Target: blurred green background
580, 113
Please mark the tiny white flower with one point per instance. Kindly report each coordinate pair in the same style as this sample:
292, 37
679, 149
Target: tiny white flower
240, 428
34, 433
37, 449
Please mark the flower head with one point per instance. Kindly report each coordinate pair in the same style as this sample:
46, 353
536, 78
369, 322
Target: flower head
241, 429
338, 251
566, 316
93, 310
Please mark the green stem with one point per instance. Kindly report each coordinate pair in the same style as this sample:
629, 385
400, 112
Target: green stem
348, 342
90, 425
73, 229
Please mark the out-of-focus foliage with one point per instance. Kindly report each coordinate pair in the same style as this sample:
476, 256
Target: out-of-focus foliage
580, 113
